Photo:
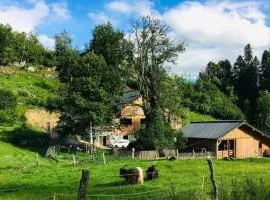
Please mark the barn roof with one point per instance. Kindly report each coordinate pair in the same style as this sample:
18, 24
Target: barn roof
214, 129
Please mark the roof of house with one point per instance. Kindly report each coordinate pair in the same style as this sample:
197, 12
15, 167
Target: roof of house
130, 96
214, 129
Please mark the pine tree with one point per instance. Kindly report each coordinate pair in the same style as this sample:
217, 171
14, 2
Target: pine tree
246, 73
265, 71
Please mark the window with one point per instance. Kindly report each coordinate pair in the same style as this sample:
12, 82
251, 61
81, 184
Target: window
231, 144
223, 146
142, 121
125, 121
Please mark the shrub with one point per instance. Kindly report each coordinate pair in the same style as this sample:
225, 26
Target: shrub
8, 116
7, 99
35, 101
23, 93
43, 84
54, 103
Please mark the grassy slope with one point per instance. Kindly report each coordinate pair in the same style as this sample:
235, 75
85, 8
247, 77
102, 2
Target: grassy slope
30, 88
193, 116
37, 85
18, 169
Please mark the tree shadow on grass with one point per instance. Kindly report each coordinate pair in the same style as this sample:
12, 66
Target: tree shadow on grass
27, 138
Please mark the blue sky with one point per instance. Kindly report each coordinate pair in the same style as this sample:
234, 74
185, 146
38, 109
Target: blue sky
212, 29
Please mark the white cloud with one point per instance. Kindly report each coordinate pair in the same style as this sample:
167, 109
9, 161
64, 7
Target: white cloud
61, 10
26, 19
216, 30
22, 19
141, 7
47, 41
100, 18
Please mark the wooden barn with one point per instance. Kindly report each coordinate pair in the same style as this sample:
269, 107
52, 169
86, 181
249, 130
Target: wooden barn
230, 138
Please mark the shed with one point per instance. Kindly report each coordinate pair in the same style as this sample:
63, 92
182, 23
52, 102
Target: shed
226, 138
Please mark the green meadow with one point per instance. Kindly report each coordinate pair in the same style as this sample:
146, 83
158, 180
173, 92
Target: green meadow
22, 178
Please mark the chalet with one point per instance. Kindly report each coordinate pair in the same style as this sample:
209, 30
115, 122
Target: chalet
127, 122
230, 138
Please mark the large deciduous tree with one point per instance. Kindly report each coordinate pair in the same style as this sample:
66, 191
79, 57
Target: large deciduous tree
85, 99
116, 51
152, 49
66, 56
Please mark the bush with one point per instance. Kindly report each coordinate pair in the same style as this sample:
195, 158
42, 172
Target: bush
8, 116
23, 93
7, 99
54, 103
35, 101
44, 85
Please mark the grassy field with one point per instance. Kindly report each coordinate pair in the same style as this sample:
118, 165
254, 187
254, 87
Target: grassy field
21, 178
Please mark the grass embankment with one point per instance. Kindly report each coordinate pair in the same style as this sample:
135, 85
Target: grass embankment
194, 116
21, 178
32, 89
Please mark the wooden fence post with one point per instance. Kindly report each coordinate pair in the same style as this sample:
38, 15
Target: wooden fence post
104, 160
210, 163
82, 194
133, 152
73, 159
37, 159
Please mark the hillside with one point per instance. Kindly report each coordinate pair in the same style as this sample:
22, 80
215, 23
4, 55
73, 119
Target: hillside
32, 89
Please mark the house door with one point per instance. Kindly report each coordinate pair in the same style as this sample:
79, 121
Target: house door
260, 149
104, 141
231, 148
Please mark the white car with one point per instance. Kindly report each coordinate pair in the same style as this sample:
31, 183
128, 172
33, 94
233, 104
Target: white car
120, 143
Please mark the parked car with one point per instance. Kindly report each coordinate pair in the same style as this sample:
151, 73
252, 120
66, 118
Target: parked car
121, 143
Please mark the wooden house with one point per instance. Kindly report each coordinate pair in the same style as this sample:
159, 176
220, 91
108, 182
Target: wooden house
229, 138
127, 122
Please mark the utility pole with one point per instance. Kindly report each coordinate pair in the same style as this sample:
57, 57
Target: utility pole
91, 138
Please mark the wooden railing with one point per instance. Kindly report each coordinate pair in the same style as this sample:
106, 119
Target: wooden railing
166, 153
207, 154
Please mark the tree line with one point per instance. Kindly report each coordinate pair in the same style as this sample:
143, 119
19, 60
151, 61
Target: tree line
246, 82
21, 47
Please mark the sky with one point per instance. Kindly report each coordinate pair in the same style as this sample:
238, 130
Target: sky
211, 29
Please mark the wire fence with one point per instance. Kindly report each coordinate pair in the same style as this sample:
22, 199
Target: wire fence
187, 187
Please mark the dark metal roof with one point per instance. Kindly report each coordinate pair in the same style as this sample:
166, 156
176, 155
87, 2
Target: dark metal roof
210, 129
130, 96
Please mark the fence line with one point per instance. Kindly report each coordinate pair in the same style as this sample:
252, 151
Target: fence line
19, 188
125, 186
